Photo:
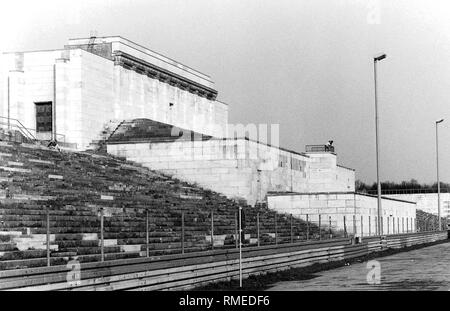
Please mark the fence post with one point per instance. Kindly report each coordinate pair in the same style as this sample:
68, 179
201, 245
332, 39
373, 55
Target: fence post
236, 229
292, 231
240, 247
331, 233
48, 237
354, 225
320, 227
345, 228
276, 230
382, 226
362, 226
257, 228
307, 227
146, 234
407, 225
370, 227
387, 219
101, 235
182, 232
212, 229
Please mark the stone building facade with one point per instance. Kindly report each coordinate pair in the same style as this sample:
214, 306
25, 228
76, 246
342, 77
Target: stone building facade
240, 168
73, 92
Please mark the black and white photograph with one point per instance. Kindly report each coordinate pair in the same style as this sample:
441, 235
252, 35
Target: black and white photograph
228, 153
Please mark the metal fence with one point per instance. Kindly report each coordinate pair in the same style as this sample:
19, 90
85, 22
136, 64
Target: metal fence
184, 232
407, 191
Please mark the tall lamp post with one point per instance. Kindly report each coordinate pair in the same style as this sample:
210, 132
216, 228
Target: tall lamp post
437, 174
376, 59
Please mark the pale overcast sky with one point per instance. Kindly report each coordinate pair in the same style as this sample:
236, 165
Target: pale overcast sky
304, 64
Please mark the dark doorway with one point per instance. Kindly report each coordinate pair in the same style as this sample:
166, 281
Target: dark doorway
44, 117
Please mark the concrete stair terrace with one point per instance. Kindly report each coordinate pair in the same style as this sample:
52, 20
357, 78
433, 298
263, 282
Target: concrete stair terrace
76, 186
13, 135
98, 143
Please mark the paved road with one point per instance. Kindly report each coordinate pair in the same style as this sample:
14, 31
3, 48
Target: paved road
423, 269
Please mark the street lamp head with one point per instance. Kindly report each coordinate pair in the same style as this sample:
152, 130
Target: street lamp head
439, 121
379, 57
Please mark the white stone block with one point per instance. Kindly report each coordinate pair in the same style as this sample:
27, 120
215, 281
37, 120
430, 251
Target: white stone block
106, 197
89, 236
108, 242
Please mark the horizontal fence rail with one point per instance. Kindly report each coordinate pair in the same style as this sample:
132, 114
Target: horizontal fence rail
406, 191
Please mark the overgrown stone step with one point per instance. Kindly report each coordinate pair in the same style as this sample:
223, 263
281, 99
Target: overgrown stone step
26, 254
152, 234
108, 256
5, 247
64, 244
198, 248
114, 231
30, 205
16, 217
63, 254
29, 263
158, 240
79, 236
39, 262
54, 225
7, 233
14, 221
92, 250
168, 246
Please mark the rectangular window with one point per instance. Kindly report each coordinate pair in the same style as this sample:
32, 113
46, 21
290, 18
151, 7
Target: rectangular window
283, 161
44, 117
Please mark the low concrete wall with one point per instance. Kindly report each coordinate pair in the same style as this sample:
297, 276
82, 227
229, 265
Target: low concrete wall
359, 210
426, 202
240, 168
191, 270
